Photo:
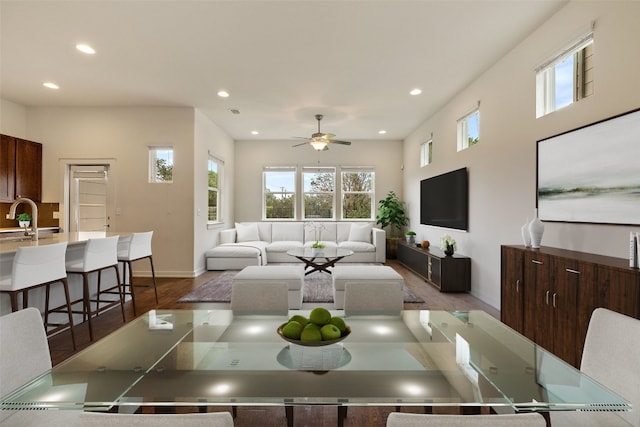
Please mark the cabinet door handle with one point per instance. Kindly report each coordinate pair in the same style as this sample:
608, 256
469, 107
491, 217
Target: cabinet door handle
571, 270
535, 261
554, 299
518, 285
547, 297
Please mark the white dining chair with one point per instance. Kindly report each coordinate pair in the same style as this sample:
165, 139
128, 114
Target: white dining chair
34, 267
611, 356
99, 254
397, 419
260, 298
135, 247
376, 297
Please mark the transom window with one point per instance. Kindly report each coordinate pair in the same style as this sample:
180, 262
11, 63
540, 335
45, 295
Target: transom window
279, 193
566, 77
426, 152
160, 164
469, 129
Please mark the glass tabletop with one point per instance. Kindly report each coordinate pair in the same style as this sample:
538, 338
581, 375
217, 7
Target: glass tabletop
327, 252
211, 357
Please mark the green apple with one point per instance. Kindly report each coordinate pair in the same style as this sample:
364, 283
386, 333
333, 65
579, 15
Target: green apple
320, 316
300, 319
292, 330
311, 332
339, 322
330, 332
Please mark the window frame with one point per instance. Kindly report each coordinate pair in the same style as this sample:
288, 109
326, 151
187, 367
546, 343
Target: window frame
371, 193
153, 164
314, 170
546, 73
463, 129
217, 189
426, 153
294, 193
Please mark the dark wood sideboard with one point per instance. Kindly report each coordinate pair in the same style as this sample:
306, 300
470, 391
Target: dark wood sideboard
447, 273
548, 294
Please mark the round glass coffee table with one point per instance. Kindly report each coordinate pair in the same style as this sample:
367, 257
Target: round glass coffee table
319, 259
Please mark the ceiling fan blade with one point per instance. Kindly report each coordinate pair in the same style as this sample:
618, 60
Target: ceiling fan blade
337, 141
302, 143
300, 137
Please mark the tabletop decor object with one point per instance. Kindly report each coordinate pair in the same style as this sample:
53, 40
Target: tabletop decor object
319, 329
448, 244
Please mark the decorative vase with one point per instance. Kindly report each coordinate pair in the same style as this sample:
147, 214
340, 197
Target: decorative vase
448, 250
526, 236
24, 224
411, 239
536, 230
425, 244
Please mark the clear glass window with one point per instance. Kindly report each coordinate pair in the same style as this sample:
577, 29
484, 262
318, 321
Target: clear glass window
357, 194
319, 193
161, 164
215, 168
426, 152
469, 130
279, 193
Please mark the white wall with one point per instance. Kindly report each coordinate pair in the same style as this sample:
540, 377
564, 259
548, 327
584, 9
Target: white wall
13, 119
502, 167
252, 156
124, 134
210, 139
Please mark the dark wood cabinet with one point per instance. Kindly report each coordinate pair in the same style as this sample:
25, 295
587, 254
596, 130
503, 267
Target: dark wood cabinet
556, 291
20, 169
447, 273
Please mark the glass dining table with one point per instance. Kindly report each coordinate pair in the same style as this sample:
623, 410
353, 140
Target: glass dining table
205, 358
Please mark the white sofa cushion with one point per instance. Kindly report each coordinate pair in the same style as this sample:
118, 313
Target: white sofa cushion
247, 232
357, 246
287, 231
360, 233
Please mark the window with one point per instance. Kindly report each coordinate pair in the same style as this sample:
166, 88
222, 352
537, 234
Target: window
565, 78
214, 185
426, 150
279, 193
469, 129
319, 192
357, 193
160, 164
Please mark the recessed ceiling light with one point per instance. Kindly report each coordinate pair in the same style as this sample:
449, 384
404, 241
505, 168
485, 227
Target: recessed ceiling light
255, 132
382, 132
85, 48
416, 91
223, 94
50, 85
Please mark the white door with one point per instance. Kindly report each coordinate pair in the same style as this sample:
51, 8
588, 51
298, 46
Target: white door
89, 198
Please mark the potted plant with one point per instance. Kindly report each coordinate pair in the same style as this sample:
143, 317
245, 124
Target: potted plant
391, 214
24, 219
448, 245
411, 237
317, 247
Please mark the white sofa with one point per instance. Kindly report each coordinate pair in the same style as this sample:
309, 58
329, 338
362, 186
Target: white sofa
258, 243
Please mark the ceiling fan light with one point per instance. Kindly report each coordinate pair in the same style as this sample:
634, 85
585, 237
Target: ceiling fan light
318, 144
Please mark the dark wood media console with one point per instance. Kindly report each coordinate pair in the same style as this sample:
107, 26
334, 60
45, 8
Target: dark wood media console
447, 273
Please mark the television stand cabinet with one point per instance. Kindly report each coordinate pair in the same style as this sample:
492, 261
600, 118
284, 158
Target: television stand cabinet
447, 273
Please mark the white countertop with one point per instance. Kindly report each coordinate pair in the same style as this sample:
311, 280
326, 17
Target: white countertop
11, 246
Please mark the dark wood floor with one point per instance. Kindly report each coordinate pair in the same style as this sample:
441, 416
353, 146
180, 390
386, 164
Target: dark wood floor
172, 289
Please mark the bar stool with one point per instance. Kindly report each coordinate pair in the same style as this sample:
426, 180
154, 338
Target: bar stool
99, 254
132, 248
34, 267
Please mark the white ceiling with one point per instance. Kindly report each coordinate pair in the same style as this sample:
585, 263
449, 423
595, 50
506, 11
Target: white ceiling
281, 61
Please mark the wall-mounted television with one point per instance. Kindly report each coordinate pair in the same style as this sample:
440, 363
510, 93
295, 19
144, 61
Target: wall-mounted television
444, 200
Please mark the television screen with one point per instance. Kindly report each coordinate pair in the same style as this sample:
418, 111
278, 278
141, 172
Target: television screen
444, 200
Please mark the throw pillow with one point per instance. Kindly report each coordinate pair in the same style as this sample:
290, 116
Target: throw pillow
360, 233
247, 232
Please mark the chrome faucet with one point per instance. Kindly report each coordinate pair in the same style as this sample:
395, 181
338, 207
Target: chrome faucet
34, 214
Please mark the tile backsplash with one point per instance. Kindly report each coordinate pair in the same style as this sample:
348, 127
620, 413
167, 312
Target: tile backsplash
45, 214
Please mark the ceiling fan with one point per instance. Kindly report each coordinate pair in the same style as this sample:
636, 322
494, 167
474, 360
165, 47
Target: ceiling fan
320, 141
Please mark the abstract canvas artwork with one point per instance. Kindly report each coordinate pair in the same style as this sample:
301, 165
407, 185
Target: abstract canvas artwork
591, 174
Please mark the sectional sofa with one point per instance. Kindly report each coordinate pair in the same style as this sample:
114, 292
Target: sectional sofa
258, 243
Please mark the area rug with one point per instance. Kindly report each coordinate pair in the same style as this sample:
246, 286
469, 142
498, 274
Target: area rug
317, 288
